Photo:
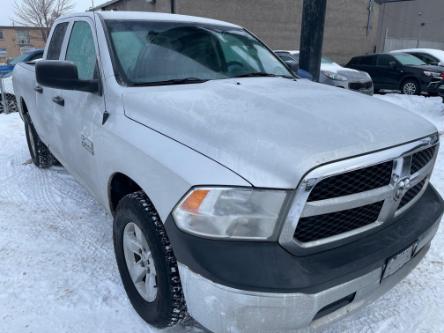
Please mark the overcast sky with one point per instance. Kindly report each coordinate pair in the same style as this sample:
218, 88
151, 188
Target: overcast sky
7, 9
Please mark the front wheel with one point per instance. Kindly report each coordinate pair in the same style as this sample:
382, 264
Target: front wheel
146, 262
410, 87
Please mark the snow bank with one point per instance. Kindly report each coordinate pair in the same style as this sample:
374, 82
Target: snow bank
430, 108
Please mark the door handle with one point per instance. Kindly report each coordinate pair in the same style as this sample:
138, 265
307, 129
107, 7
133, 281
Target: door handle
38, 89
59, 100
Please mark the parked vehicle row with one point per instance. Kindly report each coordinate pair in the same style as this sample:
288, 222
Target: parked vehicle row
411, 71
400, 71
332, 73
243, 196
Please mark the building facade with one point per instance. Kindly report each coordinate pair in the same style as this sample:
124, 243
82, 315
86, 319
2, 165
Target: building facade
350, 28
15, 40
418, 23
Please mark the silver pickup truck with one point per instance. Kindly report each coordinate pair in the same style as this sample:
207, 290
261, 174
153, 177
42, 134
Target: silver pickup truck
242, 196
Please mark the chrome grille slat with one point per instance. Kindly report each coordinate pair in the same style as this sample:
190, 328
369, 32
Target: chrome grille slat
389, 195
313, 208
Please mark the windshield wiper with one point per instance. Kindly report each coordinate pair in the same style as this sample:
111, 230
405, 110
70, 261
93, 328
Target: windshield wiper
262, 74
187, 80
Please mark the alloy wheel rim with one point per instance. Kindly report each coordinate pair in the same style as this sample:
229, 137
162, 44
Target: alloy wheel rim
409, 88
140, 262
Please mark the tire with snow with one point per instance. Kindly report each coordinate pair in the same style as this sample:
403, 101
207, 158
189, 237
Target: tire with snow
11, 103
146, 262
410, 87
40, 154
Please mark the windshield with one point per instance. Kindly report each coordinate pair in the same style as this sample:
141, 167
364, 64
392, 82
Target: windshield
152, 52
326, 60
18, 59
408, 59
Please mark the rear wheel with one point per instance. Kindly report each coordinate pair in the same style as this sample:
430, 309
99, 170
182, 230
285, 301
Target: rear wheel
146, 262
40, 154
410, 87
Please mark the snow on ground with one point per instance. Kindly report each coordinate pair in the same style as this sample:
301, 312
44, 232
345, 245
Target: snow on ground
430, 108
57, 267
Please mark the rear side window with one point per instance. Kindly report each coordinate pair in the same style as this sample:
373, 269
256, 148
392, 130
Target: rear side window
368, 61
81, 50
55, 45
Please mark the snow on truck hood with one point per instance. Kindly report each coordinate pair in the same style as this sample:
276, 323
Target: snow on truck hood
271, 131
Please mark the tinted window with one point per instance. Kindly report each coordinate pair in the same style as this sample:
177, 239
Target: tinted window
55, 46
355, 61
368, 61
385, 60
81, 50
428, 59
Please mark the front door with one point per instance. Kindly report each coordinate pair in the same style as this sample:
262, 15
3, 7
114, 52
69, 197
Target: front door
82, 111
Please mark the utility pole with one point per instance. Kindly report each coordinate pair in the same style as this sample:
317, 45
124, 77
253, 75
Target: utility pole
173, 6
312, 36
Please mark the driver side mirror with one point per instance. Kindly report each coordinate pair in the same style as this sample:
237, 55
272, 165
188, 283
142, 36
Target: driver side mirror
63, 75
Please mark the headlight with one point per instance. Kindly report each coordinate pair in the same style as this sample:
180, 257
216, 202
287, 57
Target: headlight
230, 213
432, 74
334, 76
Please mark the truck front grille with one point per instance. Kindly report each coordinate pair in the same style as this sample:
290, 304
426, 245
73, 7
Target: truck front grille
328, 225
411, 194
421, 158
349, 197
353, 182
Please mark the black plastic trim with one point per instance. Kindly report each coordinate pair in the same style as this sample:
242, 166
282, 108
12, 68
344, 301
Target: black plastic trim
267, 267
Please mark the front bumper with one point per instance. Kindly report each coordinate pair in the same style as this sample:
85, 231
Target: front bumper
226, 310
365, 87
432, 87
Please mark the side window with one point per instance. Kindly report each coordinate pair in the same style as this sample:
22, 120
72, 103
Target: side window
385, 60
368, 61
428, 59
55, 45
81, 50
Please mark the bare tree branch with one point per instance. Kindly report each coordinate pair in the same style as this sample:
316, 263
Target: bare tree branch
41, 13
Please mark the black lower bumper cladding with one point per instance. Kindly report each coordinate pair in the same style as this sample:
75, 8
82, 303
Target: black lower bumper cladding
267, 267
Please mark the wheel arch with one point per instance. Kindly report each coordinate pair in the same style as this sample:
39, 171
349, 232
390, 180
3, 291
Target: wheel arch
120, 185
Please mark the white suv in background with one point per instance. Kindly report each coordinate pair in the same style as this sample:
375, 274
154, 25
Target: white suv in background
334, 74
429, 56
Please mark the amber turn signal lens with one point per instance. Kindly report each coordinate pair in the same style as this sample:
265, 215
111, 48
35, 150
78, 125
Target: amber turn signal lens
193, 202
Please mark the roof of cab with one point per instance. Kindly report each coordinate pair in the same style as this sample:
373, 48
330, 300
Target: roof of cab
150, 16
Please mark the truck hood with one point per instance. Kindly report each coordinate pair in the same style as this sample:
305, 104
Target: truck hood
271, 131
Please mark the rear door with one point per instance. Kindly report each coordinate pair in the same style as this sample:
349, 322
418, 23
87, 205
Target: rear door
82, 111
389, 71
45, 116
368, 64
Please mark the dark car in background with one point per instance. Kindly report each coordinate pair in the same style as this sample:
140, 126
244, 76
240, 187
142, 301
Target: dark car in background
400, 71
25, 57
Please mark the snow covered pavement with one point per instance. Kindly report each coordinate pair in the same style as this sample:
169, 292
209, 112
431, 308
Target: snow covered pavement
57, 267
